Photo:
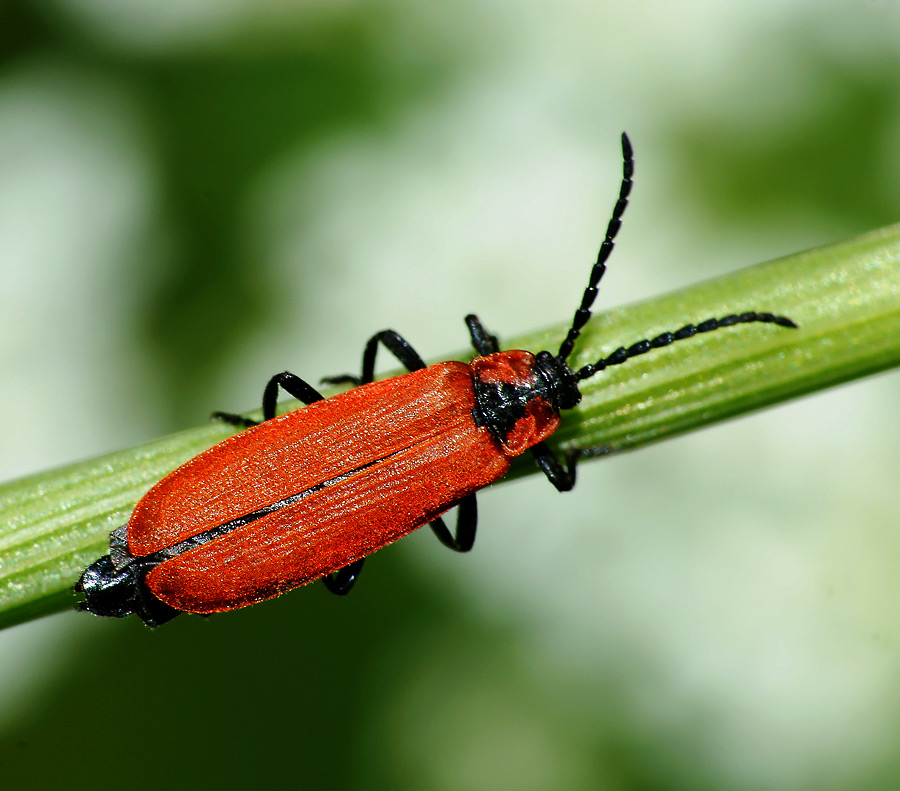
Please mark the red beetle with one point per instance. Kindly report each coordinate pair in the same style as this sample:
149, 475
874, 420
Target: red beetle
308, 494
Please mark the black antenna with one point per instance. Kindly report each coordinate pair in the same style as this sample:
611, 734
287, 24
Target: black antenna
590, 293
622, 354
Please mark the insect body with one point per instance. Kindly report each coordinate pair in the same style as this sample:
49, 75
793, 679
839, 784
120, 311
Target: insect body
308, 494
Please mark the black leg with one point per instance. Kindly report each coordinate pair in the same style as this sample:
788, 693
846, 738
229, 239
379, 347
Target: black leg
395, 343
466, 524
563, 476
290, 383
341, 581
482, 340
234, 419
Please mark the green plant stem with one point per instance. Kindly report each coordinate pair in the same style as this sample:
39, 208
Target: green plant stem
845, 297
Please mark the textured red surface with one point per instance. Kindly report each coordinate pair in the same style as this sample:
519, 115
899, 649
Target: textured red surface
332, 527
539, 422
424, 453
289, 454
515, 367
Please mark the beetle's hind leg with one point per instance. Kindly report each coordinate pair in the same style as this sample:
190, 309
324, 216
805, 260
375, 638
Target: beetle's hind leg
341, 581
562, 476
291, 383
395, 343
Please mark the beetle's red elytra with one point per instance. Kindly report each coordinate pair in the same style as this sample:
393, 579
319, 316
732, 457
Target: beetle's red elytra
309, 494
364, 492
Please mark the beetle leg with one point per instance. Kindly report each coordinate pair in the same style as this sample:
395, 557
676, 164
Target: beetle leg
292, 384
234, 420
466, 524
395, 343
341, 379
341, 581
563, 476
482, 340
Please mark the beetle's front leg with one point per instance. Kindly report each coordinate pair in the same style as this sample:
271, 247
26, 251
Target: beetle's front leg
563, 476
483, 342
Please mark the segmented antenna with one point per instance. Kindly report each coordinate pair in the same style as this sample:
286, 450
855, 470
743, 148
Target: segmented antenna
622, 354
590, 293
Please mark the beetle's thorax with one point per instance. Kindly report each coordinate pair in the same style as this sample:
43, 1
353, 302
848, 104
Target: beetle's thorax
518, 396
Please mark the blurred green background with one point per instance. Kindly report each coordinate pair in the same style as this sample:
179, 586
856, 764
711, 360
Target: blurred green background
195, 194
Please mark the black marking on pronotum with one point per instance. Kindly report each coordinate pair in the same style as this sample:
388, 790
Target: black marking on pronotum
499, 405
